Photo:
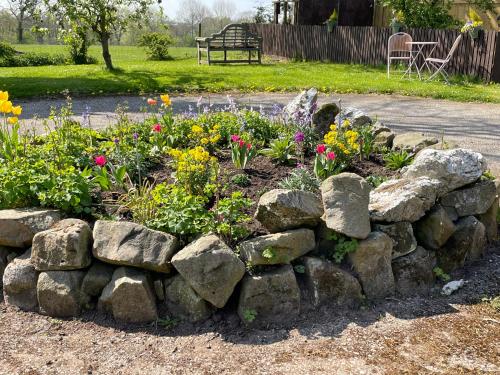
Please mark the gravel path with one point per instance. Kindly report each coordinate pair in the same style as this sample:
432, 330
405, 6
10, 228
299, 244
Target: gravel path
471, 125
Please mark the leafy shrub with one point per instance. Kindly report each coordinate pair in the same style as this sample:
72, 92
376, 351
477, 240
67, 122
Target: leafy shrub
32, 59
241, 180
396, 160
281, 150
229, 214
300, 179
77, 40
6, 50
423, 14
343, 246
156, 45
376, 181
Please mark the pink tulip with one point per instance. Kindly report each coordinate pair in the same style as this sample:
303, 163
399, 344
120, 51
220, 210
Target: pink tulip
331, 156
235, 138
100, 160
321, 149
157, 128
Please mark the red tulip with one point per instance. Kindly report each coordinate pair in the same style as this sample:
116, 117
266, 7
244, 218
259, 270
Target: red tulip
152, 101
242, 143
249, 146
320, 149
331, 156
100, 160
157, 128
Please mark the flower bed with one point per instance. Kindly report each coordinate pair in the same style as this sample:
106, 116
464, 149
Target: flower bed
183, 208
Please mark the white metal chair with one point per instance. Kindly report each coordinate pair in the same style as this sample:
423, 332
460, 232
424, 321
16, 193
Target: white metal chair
439, 65
399, 43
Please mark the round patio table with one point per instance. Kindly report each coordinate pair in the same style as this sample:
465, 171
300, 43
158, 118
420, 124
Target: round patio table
419, 52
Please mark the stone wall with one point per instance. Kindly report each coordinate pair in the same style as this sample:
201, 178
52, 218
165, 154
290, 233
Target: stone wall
440, 213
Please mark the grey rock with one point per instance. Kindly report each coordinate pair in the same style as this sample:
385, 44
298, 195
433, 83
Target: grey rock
402, 236
356, 117
211, 268
159, 289
19, 226
271, 297
413, 142
98, 276
372, 262
328, 283
129, 297
434, 229
280, 209
466, 244
384, 139
303, 103
489, 220
65, 246
183, 302
325, 117
472, 200
380, 127
59, 293
443, 146
413, 273
19, 283
5, 254
454, 168
278, 248
133, 245
345, 199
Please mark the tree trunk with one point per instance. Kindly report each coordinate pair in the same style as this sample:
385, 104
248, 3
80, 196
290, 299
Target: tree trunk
105, 51
20, 28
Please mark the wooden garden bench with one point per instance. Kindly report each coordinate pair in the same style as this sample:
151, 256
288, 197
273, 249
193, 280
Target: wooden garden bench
234, 37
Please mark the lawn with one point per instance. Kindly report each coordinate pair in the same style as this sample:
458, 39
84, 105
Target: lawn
183, 74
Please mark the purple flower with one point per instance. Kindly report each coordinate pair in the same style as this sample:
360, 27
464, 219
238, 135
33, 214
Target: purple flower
299, 137
117, 141
136, 136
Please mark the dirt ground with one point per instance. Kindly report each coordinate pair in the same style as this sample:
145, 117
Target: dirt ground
459, 334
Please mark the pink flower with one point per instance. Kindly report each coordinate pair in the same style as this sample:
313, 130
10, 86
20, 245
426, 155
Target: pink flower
331, 156
320, 149
157, 128
249, 146
100, 160
242, 143
235, 138
152, 102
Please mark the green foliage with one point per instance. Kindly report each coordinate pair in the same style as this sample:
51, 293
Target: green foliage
77, 40
300, 179
156, 45
440, 274
139, 200
299, 269
488, 176
494, 302
366, 141
343, 246
249, 315
396, 160
229, 216
281, 150
9, 57
241, 180
376, 181
167, 323
269, 253
432, 14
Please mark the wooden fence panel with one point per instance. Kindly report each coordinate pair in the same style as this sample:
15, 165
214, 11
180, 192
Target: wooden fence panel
368, 45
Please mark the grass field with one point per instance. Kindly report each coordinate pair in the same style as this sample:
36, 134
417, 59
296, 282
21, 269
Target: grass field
183, 74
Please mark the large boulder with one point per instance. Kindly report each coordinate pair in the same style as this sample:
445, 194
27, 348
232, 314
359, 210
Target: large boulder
403, 200
59, 293
98, 276
384, 139
19, 226
345, 199
19, 283
472, 200
372, 262
65, 246
278, 248
129, 297
466, 244
433, 230
271, 297
328, 283
414, 273
5, 254
280, 210
324, 118
134, 245
183, 302
211, 268
412, 142
489, 220
402, 236
454, 168
303, 104
356, 117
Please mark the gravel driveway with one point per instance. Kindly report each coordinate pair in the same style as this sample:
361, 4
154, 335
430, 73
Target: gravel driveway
471, 125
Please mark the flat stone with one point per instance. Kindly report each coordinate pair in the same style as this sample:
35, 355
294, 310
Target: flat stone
466, 244
489, 220
19, 226
129, 297
403, 200
134, 245
19, 283
434, 229
65, 246
271, 297
98, 276
324, 117
372, 262
454, 168
183, 302
355, 116
278, 248
280, 210
413, 273
328, 283
473, 200
211, 268
59, 293
380, 127
345, 199
413, 142
401, 233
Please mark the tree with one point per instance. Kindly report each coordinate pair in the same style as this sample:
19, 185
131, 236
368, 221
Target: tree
223, 11
22, 9
424, 13
263, 15
193, 12
101, 16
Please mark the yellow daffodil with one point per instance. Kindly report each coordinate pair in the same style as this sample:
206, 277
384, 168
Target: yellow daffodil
196, 129
12, 120
5, 106
17, 110
4, 96
166, 100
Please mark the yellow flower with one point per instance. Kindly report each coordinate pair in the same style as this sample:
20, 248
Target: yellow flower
346, 124
4, 95
17, 110
5, 106
12, 120
215, 139
166, 100
216, 127
333, 127
196, 129
175, 153
204, 141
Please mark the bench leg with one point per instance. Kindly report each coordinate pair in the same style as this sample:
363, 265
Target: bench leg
225, 56
208, 55
199, 56
259, 56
